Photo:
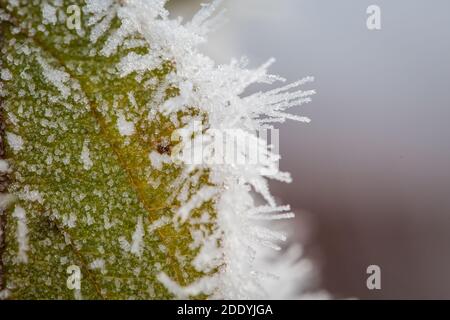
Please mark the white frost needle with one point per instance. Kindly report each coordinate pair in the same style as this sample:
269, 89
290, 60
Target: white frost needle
216, 91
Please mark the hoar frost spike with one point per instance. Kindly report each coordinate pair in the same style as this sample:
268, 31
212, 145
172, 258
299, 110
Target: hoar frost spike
122, 198
218, 92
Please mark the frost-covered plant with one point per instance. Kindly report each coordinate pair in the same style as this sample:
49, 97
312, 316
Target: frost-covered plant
97, 123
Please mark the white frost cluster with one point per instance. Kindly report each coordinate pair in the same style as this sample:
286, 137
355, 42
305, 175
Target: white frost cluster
4, 166
49, 13
85, 156
138, 235
21, 233
97, 264
240, 244
56, 77
15, 141
5, 74
126, 128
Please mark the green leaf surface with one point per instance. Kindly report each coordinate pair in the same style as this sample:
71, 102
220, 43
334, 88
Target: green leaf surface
88, 191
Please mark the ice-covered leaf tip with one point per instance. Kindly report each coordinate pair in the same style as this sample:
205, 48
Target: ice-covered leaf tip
100, 103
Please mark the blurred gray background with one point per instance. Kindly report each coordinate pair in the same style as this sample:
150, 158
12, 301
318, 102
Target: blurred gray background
372, 171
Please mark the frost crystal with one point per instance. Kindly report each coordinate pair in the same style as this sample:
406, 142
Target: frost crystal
14, 141
85, 156
158, 160
5, 74
179, 192
49, 14
126, 128
4, 166
31, 195
56, 77
158, 224
138, 235
97, 264
21, 233
218, 92
204, 194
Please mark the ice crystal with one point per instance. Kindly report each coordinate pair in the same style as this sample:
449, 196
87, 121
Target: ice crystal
22, 233
132, 179
85, 156
137, 244
15, 141
217, 91
126, 128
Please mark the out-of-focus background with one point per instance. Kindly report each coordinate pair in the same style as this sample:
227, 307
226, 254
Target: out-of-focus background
372, 171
